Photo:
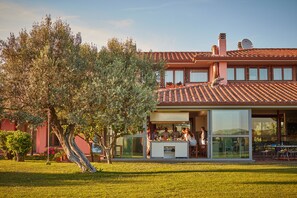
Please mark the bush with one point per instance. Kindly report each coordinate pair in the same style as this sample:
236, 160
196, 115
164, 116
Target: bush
8, 154
20, 144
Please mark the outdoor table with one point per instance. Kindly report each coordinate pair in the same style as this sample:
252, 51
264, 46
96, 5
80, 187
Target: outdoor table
285, 151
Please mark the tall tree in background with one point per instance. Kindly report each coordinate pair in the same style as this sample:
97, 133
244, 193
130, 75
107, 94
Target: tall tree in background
46, 71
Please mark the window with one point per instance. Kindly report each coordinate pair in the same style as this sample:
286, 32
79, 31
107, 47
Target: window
258, 74
174, 77
253, 74
263, 72
264, 129
230, 74
168, 77
235, 73
277, 74
230, 133
179, 77
198, 76
240, 74
287, 73
282, 74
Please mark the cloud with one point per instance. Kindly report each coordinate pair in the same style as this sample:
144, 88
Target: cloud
70, 17
15, 16
121, 23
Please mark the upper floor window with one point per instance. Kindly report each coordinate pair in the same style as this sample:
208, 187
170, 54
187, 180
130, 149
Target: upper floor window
263, 74
236, 73
174, 77
168, 76
288, 74
258, 74
179, 77
282, 73
240, 74
253, 74
198, 76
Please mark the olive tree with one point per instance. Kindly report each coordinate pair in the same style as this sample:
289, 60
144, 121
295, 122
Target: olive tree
125, 84
46, 72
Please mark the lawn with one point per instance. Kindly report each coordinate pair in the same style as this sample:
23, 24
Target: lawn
127, 179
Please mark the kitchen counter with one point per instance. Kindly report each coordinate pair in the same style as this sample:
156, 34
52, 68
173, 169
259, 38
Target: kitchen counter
169, 149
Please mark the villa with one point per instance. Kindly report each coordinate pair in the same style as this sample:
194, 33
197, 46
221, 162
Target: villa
246, 99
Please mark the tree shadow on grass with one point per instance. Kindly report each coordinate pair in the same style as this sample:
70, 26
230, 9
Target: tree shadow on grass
272, 182
109, 177
58, 179
272, 170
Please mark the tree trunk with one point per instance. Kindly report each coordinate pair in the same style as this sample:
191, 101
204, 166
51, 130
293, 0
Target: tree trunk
20, 158
108, 155
66, 139
72, 151
106, 149
91, 152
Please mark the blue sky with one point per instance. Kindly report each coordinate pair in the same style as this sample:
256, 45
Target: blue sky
163, 25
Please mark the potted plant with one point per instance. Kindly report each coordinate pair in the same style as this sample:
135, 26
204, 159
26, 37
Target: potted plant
179, 84
169, 85
60, 156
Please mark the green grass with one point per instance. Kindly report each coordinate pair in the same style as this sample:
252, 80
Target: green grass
135, 179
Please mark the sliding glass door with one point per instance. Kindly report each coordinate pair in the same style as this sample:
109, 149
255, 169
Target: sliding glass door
230, 134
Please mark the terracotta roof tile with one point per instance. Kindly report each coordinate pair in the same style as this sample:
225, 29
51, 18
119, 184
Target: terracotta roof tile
234, 93
246, 54
264, 52
176, 56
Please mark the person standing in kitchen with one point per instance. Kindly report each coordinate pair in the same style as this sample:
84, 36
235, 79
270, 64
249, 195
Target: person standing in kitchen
165, 134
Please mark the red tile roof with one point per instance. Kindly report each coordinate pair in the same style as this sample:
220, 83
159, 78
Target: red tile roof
264, 52
234, 93
176, 56
247, 54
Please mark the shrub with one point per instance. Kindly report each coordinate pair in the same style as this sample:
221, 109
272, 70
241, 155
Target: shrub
20, 144
3, 139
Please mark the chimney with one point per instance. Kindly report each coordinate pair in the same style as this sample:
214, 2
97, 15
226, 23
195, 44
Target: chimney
239, 46
222, 44
215, 50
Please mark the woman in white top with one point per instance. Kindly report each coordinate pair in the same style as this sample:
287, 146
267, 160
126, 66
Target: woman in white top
203, 136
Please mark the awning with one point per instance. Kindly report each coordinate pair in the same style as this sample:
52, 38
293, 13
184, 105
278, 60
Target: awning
169, 117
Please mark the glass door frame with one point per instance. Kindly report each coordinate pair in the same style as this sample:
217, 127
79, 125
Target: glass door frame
210, 135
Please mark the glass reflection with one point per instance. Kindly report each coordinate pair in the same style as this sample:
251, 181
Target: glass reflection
263, 74
230, 74
230, 147
277, 74
240, 74
253, 72
168, 76
179, 77
287, 73
264, 129
230, 122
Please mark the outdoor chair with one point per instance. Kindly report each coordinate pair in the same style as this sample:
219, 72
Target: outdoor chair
203, 150
193, 151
